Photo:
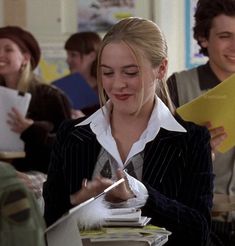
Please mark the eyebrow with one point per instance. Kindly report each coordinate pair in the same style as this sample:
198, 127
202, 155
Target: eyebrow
224, 32
127, 66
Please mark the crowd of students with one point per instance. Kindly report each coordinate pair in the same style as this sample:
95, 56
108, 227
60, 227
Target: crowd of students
170, 171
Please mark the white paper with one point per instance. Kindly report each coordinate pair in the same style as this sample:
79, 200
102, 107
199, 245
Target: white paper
65, 234
9, 140
72, 212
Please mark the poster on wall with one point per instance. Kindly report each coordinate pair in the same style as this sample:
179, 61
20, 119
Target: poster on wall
193, 56
53, 64
100, 15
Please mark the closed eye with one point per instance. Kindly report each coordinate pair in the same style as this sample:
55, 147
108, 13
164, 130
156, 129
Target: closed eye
107, 73
132, 74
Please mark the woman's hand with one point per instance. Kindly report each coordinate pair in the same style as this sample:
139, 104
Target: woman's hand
122, 192
17, 122
92, 188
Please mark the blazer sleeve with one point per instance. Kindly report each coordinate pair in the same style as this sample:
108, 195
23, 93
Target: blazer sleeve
55, 193
186, 215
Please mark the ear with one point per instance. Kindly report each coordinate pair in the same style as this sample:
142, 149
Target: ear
92, 55
162, 69
203, 41
26, 59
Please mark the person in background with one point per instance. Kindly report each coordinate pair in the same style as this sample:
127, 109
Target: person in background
167, 160
81, 49
19, 56
214, 31
21, 222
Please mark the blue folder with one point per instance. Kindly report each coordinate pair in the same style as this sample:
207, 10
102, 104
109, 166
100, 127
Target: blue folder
77, 90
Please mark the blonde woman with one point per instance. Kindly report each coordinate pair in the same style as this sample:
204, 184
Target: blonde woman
168, 161
19, 56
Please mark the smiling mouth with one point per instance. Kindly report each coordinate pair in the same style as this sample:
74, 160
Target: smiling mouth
122, 97
231, 58
2, 64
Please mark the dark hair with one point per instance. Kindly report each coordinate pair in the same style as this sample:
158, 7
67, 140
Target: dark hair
84, 43
206, 11
25, 40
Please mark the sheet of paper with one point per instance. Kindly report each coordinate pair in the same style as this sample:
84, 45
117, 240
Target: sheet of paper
73, 211
10, 141
216, 106
65, 233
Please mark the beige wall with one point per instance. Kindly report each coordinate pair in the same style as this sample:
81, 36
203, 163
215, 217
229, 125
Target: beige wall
52, 21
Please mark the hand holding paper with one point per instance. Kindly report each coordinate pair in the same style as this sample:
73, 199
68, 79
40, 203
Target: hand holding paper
217, 106
9, 98
17, 122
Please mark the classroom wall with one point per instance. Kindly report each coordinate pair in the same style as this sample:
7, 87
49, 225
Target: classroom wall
52, 21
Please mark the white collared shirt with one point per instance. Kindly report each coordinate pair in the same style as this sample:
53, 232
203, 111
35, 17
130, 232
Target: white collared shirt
161, 117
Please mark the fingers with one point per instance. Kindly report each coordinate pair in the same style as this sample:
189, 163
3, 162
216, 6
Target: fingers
84, 183
217, 140
120, 174
217, 131
17, 113
17, 122
218, 135
90, 189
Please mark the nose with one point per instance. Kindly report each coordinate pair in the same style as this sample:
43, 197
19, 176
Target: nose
119, 82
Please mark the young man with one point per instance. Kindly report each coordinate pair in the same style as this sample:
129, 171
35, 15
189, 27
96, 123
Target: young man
214, 31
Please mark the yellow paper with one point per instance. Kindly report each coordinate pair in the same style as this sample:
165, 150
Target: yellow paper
217, 106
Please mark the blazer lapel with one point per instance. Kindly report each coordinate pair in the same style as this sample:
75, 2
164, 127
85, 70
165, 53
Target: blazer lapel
163, 156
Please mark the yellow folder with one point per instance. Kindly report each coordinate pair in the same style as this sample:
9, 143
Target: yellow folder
217, 106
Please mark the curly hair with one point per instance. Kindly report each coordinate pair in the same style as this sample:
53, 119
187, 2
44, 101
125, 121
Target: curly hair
206, 11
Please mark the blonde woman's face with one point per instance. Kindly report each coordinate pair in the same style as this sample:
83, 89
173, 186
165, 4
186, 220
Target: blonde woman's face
123, 82
11, 58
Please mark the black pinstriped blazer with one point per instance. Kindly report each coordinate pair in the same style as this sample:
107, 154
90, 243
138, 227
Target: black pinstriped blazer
177, 171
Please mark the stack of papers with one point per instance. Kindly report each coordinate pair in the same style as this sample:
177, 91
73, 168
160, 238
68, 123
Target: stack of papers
217, 106
126, 217
146, 235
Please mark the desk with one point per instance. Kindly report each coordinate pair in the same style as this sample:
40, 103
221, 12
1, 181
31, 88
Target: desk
8, 155
223, 203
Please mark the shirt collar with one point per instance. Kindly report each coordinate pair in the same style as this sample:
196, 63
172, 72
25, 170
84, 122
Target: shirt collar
161, 118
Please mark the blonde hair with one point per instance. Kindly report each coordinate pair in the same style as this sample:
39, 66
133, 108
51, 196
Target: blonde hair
25, 78
142, 37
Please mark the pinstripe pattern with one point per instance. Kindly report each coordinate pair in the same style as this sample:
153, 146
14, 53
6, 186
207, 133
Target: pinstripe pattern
177, 172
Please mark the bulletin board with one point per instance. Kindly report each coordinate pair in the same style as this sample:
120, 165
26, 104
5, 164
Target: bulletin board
192, 56
99, 16
15, 13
